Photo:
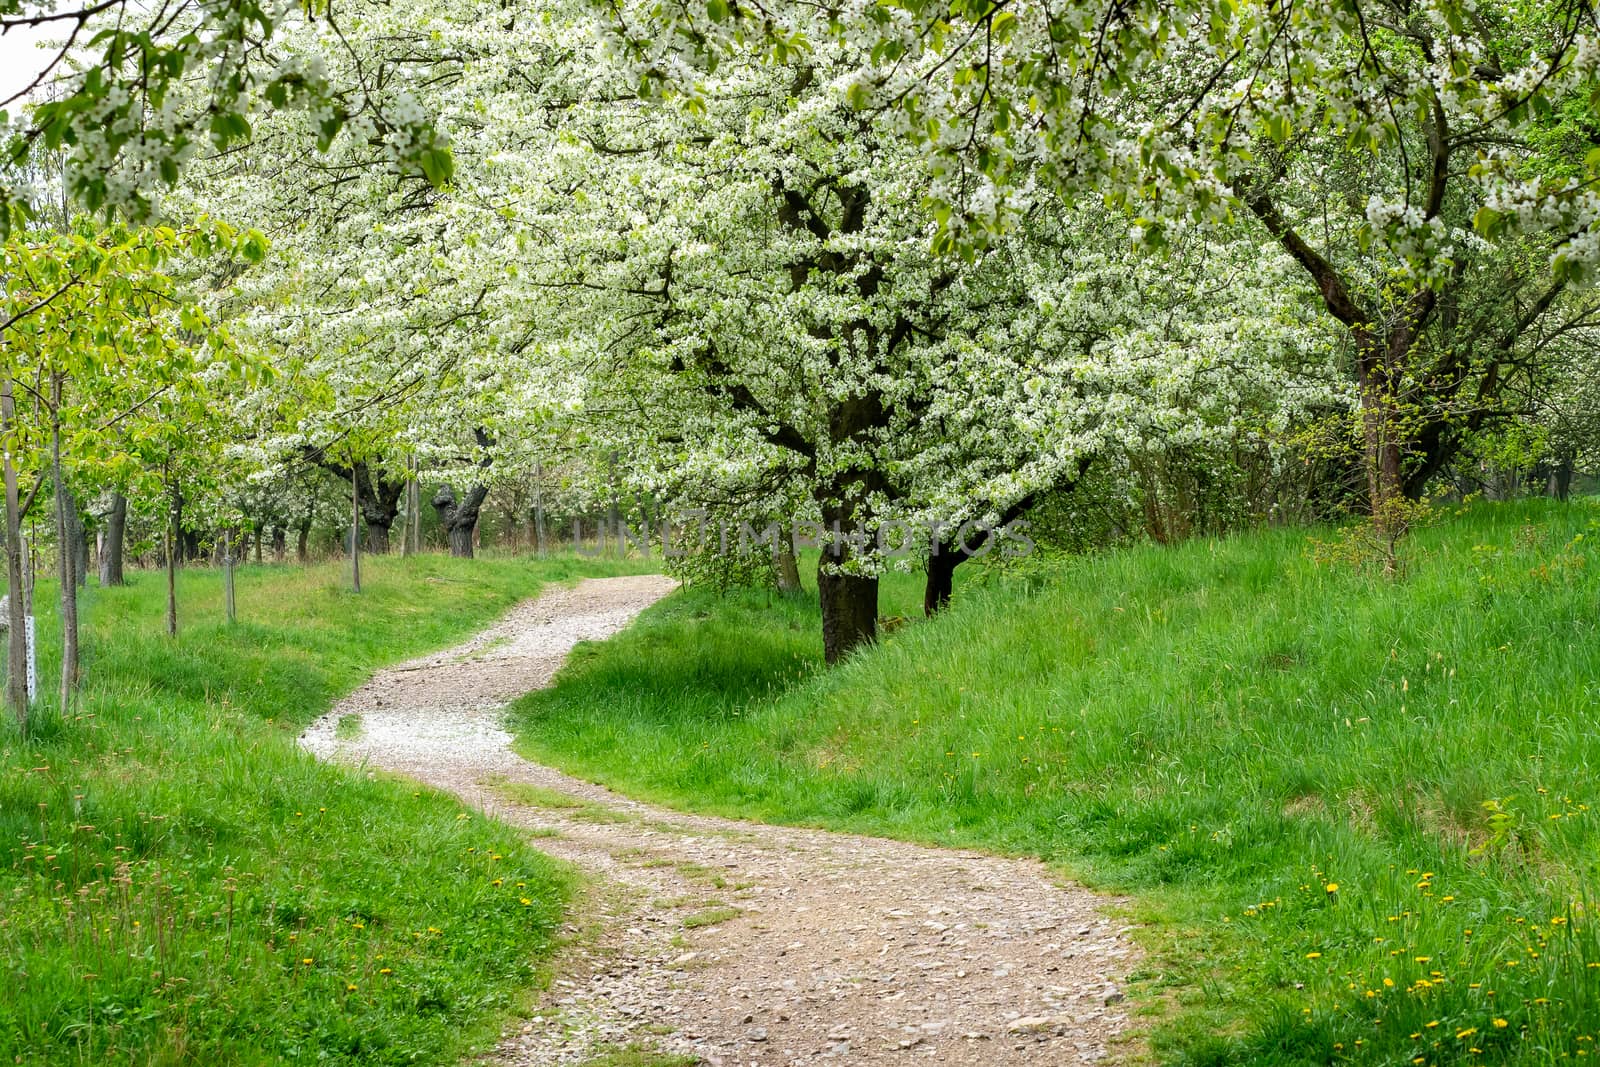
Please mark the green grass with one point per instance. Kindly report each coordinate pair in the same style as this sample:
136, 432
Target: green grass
635, 1056
710, 917
179, 883
1224, 730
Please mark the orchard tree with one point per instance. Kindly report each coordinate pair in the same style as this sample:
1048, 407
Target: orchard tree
1429, 166
105, 345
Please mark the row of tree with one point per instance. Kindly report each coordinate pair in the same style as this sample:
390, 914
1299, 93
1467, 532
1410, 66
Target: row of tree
1115, 268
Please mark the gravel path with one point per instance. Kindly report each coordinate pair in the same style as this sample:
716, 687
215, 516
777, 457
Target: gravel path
740, 943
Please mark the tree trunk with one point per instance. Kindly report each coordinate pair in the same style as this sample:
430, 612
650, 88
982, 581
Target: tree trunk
80, 542
67, 557
111, 547
302, 550
228, 605
1561, 477
355, 535
16, 617
942, 566
788, 568
461, 541
1382, 452
173, 539
280, 543
408, 544
538, 508
849, 612
459, 517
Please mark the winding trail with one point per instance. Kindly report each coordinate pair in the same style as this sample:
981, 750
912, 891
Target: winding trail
734, 942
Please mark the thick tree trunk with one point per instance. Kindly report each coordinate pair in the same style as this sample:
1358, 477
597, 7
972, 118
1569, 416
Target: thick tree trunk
280, 543
16, 616
379, 495
459, 517
302, 541
461, 541
942, 566
111, 547
849, 612
849, 601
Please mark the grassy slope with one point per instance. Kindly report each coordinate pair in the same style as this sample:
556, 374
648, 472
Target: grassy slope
178, 882
1228, 730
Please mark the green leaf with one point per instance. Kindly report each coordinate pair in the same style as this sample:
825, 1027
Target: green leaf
437, 166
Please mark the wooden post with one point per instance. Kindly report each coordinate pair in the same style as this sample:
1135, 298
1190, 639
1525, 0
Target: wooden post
355, 530
227, 574
16, 636
172, 540
613, 513
413, 508
405, 539
538, 507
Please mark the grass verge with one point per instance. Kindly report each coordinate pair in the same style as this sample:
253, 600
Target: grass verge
179, 883
1363, 811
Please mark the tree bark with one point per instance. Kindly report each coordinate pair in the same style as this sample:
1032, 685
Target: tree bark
111, 549
1563, 478
942, 566
538, 509
280, 543
849, 612
174, 512
849, 601
355, 534
948, 554
379, 495
16, 616
228, 605
459, 517
79, 536
788, 568
67, 556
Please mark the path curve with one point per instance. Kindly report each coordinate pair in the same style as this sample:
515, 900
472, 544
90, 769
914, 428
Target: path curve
741, 943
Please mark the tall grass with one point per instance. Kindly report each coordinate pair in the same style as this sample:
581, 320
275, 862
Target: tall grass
1361, 813
179, 883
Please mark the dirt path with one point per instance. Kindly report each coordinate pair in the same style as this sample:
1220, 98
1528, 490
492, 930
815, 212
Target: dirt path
740, 943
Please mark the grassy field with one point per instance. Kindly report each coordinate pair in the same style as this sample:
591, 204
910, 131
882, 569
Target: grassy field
179, 883
1359, 814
